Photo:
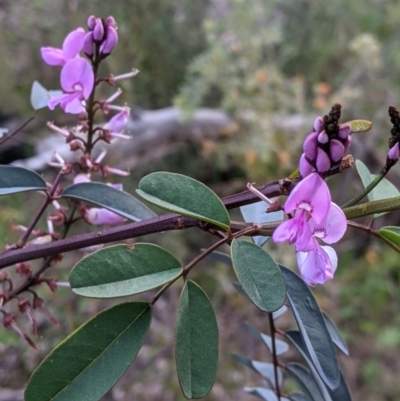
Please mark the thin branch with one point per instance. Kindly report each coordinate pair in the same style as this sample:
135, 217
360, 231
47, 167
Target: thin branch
274, 355
22, 126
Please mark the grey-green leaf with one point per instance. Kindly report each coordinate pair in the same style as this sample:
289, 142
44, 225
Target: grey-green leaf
262, 393
109, 198
93, 358
18, 179
312, 328
335, 334
280, 346
259, 275
391, 233
196, 342
305, 380
122, 270
184, 195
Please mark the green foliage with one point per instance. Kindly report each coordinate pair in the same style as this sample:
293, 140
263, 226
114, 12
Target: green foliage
259, 275
18, 179
109, 198
184, 195
92, 359
122, 270
196, 342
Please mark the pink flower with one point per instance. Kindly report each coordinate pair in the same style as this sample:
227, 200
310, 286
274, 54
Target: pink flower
118, 122
72, 45
77, 79
318, 264
98, 217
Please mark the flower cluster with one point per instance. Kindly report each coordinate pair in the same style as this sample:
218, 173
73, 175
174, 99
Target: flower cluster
325, 147
77, 78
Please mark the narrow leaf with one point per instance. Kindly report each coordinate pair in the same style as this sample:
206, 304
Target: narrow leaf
262, 393
359, 125
280, 346
391, 233
335, 335
256, 213
93, 358
122, 270
312, 328
305, 381
109, 198
184, 195
196, 342
259, 275
18, 179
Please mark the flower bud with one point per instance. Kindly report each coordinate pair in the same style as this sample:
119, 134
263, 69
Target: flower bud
100, 217
310, 146
323, 137
318, 124
322, 163
110, 21
347, 144
336, 150
305, 167
111, 40
88, 44
119, 121
394, 153
91, 22
98, 31
344, 131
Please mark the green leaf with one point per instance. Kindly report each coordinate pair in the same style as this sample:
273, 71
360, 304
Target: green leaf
109, 198
384, 190
359, 125
184, 195
18, 179
122, 270
40, 95
335, 335
312, 328
391, 233
196, 342
305, 381
93, 358
259, 275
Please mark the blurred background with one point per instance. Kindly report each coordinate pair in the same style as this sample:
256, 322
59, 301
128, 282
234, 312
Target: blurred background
269, 68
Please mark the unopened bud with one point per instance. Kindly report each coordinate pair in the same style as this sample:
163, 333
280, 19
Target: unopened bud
88, 44
98, 30
310, 146
322, 163
344, 131
336, 150
323, 137
318, 124
91, 22
393, 154
111, 41
305, 167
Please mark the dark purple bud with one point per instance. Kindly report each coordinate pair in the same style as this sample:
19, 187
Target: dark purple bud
323, 137
110, 21
323, 163
91, 22
394, 153
336, 150
318, 124
98, 31
111, 40
88, 44
310, 146
305, 167
347, 143
344, 131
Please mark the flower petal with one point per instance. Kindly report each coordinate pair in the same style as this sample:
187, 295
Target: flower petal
52, 55
118, 122
77, 75
305, 167
311, 194
73, 43
97, 217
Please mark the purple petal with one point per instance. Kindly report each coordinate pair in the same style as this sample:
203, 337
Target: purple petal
336, 150
318, 265
394, 153
305, 167
322, 163
73, 105
119, 121
344, 131
323, 137
55, 100
98, 30
88, 44
73, 43
311, 194
347, 144
111, 41
318, 124
98, 217
91, 22
52, 55
77, 76
310, 146
333, 227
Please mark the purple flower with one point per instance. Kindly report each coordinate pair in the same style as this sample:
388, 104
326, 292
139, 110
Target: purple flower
77, 79
318, 263
310, 199
72, 45
100, 217
119, 121
394, 153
